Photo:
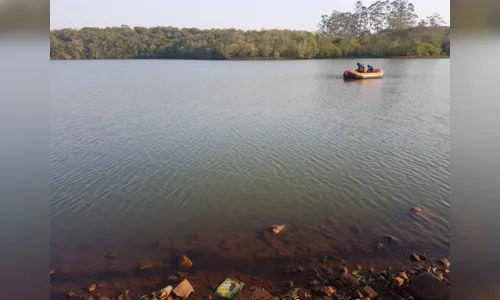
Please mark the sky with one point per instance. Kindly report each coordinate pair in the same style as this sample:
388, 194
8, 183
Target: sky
255, 14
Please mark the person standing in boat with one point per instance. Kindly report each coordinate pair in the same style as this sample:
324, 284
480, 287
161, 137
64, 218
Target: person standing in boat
360, 68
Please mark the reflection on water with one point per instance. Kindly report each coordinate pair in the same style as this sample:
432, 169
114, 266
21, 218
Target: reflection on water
164, 151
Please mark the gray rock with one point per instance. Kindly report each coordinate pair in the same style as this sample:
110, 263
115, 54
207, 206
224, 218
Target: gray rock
348, 279
428, 287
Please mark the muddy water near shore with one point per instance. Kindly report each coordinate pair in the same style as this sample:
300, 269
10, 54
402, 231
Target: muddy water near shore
154, 158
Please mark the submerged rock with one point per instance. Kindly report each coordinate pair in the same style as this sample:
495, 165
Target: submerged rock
415, 210
185, 263
275, 229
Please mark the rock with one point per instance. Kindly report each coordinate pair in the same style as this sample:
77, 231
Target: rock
392, 238
343, 269
380, 245
296, 293
70, 295
287, 284
415, 257
428, 287
125, 292
112, 254
369, 292
275, 229
183, 289
439, 275
415, 210
403, 275
348, 279
141, 265
92, 288
90, 297
102, 284
165, 292
445, 262
397, 282
185, 263
328, 290
103, 298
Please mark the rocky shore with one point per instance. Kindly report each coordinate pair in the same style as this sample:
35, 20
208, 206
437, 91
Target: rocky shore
423, 279
276, 272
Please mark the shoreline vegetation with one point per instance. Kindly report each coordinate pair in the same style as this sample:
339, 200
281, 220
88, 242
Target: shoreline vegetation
383, 29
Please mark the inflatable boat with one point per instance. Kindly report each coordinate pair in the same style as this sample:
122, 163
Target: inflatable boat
353, 74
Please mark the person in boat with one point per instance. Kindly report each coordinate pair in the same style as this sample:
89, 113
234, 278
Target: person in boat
370, 68
360, 68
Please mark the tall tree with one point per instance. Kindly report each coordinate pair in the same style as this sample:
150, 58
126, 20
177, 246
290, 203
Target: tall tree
402, 15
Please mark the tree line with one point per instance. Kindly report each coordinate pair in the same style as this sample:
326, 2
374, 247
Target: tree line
383, 29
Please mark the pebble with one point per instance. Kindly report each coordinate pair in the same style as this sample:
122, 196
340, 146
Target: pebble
328, 290
348, 279
92, 288
369, 292
415, 257
397, 282
343, 269
403, 275
445, 262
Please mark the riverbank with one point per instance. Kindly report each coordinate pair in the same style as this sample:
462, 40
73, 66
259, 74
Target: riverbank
315, 278
387, 267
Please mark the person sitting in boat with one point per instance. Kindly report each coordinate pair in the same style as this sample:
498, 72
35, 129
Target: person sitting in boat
370, 68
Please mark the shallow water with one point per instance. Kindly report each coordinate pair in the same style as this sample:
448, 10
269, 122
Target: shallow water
152, 150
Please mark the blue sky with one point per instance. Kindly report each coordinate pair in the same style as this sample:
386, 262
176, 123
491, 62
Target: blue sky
255, 14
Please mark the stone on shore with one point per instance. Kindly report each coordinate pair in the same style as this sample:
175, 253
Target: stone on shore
369, 292
445, 262
428, 287
92, 288
183, 289
397, 282
415, 257
348, 279
329, 290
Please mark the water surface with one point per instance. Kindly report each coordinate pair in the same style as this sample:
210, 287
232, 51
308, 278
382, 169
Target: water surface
160, 149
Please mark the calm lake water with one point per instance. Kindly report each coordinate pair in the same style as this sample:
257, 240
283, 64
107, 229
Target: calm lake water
152, 150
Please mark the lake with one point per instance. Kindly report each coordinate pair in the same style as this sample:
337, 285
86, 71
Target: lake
202, 156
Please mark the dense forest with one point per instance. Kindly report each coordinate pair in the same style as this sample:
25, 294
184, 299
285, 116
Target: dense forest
383, 29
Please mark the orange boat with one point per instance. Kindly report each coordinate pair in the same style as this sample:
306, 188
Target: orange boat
353, 74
